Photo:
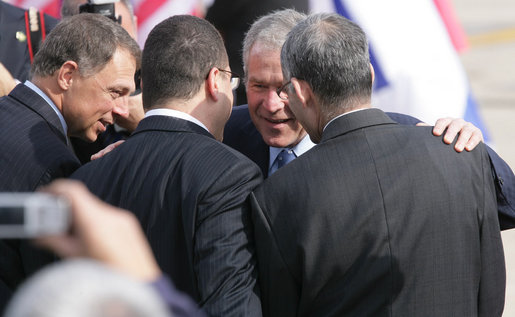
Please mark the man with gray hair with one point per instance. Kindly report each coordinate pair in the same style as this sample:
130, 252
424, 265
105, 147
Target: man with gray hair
378, 219
81, 77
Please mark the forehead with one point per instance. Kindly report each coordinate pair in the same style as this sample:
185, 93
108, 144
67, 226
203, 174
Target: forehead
263, 63
119, 71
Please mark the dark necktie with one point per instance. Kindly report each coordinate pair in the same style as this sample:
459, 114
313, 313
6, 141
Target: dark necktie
285, 157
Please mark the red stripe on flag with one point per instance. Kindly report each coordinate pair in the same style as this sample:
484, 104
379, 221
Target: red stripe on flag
456, 33
53, 8
147, 8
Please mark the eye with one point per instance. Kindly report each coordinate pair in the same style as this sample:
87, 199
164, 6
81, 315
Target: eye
258, 86
115, 93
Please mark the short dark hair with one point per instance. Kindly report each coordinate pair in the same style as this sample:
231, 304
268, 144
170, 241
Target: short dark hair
331, 54
177, 57
88, 39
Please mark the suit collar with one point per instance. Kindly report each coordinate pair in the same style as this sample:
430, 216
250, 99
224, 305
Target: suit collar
169, 124
36, 103
251, 142
354, 121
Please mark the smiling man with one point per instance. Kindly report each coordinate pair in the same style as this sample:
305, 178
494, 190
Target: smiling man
81, 78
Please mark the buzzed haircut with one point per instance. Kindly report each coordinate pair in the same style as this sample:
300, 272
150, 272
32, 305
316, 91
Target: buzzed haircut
88, 39
177, 57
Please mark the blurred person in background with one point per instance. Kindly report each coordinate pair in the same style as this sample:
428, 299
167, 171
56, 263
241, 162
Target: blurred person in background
22, 32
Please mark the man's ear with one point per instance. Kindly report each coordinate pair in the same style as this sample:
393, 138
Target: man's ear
372, 73
212, 85
302, 90
65, 74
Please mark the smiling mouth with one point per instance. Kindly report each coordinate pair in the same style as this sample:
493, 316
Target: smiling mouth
278, 120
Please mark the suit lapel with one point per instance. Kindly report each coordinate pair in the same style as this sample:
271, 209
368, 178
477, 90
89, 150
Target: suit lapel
253, 145
32, 100
354, 121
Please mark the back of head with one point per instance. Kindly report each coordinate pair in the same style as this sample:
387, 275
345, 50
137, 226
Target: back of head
270, 31
84, 288
330, 53
88, 39
178, 54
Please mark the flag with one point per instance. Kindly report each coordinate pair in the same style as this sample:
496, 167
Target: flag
413, 48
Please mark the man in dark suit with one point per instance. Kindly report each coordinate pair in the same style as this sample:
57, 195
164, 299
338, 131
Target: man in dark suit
77, 84
378, 219
188, 190
266, 127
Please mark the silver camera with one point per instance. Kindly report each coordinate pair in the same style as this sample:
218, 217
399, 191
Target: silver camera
29, 215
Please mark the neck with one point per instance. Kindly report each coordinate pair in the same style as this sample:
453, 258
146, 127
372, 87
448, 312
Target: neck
48, 85
196, 107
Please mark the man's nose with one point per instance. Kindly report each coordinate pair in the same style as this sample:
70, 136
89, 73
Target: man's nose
121, 106
272, 102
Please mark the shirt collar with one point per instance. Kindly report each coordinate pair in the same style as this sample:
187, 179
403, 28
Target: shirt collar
50, 102
343, 114
175, 114
302, 147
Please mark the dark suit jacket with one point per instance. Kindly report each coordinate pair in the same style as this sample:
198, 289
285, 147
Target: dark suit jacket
189, 192
380, 219
34, 152
14, 54
241, 134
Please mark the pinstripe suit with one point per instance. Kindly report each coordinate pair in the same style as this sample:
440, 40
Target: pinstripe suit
33, 152
189, 193
380, 219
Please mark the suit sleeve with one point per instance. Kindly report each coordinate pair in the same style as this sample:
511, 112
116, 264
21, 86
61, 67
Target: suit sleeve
493, 273
503, 176
224, 260
504, 181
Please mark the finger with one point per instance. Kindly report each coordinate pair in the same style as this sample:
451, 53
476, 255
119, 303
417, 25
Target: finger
462, 140
470, 137
441, 125
422, 124
106, 150
475, 139
453, 128
63, 246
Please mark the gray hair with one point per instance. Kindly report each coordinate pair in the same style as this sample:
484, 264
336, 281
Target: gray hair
270, 31
331, 54
71, 7
88, 39
178, 54
84, 288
